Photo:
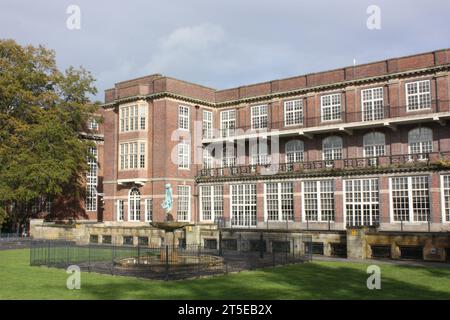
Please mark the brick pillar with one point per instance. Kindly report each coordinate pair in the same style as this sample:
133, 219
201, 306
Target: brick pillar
158, 197
338, 201
435, 198
259, 202
297, 201
384, 200
226, 202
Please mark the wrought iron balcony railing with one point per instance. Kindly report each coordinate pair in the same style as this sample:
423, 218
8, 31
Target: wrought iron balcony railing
317, 165
306, 121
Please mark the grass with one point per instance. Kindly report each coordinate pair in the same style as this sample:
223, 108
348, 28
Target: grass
316, 280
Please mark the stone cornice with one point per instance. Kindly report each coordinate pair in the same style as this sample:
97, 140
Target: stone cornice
436, 70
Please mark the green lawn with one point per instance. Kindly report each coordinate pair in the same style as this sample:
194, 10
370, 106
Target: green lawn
317, 280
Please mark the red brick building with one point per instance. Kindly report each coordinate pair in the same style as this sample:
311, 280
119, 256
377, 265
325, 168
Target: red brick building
366, 145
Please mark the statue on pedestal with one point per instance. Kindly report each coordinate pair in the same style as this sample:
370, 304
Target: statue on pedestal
168, 202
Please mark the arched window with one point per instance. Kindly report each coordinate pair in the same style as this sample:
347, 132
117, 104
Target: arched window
420, 141
134, 205
294, 151
332, 148
374, 145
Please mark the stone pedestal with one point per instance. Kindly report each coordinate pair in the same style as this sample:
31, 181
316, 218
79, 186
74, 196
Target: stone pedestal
357, 246
169, 248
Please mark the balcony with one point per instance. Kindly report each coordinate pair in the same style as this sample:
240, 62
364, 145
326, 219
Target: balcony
383, 116
403, 161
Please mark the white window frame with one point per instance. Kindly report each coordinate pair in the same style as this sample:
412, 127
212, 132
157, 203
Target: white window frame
336, 153
363, 200
207, 124
246, 211
421, 142
213, 194
227, 123
319, 200
182, 197
143, 117
280, 198
93, 124
135, 209
184, 155
132, 116
148, 209
208, 159
297, 154
373, 150
445, 206
409, 191
91, 202
334, 116
183, 117
372, 107
418, 95
260, 117
130, 155
293, 113
120, 207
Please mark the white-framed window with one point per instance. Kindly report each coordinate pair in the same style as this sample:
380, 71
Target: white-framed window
132, 118
92, 180
331, 107
120, 210
372, 104
418, 95
373, 146
228, 122
260, 117
362, 202
294, 151
183, 155
211, 198
183, 117
134, 205
207, 124
332, 149
279, 200
229, 156
184, 203
207, 158
410, 199
445, 183
259, 152
148, 209
132, 155
293, 112
142, 155
143, 110
420, 141
93, 124
318, 200
243, 205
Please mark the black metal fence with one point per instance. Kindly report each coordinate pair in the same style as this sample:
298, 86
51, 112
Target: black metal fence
171, 262
13, 241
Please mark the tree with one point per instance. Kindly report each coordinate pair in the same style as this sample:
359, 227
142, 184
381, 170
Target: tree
42, 113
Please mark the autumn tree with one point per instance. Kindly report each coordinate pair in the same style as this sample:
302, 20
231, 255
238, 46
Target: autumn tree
42, 112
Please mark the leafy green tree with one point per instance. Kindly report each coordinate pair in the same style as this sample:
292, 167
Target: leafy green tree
43, 112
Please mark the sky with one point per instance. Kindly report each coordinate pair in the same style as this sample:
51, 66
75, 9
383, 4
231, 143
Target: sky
224, 43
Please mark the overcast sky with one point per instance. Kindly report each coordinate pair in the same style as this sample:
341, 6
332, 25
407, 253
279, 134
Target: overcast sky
227, 43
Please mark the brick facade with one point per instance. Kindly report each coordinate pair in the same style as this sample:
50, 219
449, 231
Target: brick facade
162, 97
